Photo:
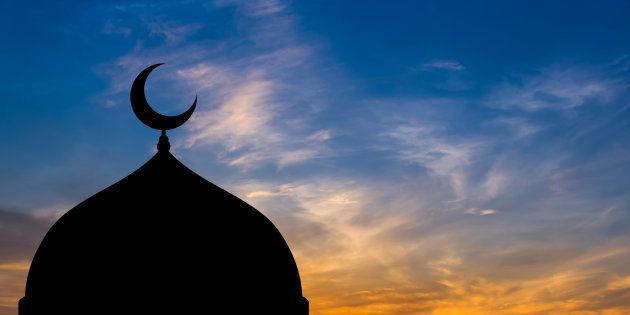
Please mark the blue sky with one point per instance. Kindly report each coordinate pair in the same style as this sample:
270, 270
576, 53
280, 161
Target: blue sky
474, 154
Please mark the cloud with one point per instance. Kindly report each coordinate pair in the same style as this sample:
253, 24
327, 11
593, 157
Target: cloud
242, 120
496, 182
476, 211
560, 88
173, 33
112, 28
447, 159
445, 64
246, 122
321, 135
254, 8
521, 127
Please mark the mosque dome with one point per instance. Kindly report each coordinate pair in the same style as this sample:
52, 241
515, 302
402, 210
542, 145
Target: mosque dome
163, 240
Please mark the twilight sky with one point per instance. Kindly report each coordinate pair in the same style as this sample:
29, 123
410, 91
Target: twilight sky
420, 157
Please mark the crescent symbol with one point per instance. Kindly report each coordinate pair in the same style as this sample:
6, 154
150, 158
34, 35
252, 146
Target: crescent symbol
146, 114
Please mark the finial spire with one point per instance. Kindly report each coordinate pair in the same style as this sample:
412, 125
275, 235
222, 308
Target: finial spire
163, 144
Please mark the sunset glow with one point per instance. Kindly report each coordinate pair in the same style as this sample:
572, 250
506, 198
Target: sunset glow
419, 157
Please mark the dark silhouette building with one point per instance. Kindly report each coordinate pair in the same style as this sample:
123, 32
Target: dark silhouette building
163, 240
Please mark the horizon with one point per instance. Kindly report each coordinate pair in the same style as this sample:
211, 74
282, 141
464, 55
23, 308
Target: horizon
419, 158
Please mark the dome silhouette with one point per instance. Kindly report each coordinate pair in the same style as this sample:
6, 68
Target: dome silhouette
164, 240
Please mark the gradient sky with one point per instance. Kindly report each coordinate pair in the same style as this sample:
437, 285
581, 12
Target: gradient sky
420, 157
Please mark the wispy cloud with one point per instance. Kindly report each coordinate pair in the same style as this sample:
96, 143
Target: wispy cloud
246, 123
560, 88
476, 211
173, 33
242, 120
447, 159
444, 64
255, 8
521, 127
112, 28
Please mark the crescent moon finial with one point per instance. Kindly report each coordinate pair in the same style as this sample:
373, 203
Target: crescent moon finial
150, 117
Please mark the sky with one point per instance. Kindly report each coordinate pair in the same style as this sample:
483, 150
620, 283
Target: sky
419, 157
